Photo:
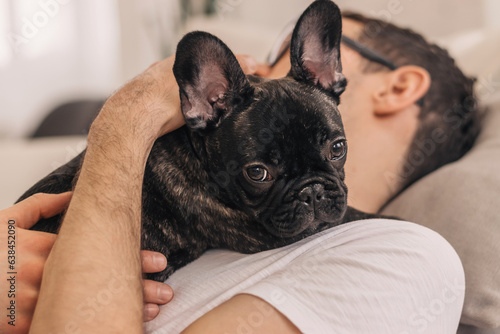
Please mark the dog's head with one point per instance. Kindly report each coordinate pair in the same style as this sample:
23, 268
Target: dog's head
274, 148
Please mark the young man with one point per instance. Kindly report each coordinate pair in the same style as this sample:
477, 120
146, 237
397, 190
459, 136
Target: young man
388, 284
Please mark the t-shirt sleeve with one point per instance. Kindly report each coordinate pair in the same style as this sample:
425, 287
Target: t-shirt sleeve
376, 277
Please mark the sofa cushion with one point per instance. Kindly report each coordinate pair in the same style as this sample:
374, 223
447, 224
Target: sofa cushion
25, 162
461, 201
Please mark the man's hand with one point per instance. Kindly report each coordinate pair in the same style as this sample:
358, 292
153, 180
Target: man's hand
31, 251
155, 293
151, 103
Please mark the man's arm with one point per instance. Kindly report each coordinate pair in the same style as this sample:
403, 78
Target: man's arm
225, 318
28, 250
92, 278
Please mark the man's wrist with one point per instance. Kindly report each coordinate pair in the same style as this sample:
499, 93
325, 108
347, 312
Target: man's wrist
145, 108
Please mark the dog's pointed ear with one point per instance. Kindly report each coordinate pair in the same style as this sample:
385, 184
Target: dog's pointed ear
315, 48
211, 82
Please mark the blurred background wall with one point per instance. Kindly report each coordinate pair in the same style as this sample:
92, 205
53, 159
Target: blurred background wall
55, 51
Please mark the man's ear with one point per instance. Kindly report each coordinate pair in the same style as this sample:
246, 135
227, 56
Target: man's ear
402, 88
211, 82
315, 48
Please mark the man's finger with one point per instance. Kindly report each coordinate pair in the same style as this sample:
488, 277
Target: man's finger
156, 292
263, 70
29, 211
151, 311
248, 64
39, 242
153, 262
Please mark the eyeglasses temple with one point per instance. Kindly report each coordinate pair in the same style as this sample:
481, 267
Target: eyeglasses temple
373, 56
367, 53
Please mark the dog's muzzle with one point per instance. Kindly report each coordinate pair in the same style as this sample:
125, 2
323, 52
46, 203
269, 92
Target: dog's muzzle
308, 205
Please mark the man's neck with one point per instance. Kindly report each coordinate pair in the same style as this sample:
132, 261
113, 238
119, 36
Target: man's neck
368, 191
373, 177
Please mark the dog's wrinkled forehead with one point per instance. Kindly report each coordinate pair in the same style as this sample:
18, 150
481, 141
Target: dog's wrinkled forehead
305, 106
288, 116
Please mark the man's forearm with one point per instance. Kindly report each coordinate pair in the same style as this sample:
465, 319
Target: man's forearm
93, 272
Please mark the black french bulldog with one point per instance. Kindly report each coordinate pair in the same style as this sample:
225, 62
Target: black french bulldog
259, 163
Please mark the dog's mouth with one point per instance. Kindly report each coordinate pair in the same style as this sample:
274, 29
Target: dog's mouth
286, 231
291, 225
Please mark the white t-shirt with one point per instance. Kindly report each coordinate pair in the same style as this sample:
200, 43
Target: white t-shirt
371, 276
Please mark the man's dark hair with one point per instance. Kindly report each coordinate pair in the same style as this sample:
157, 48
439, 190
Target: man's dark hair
449, 116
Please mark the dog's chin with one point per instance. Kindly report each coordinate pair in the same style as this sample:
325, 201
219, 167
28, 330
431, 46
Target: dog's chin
293, 231
308, 223
287, 230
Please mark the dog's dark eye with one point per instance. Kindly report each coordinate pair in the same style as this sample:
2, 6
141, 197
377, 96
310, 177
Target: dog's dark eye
338, 150
258, 174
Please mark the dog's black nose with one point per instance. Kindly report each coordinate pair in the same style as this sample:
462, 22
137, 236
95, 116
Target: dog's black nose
313, 193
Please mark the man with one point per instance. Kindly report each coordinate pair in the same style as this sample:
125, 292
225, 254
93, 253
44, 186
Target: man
381, 116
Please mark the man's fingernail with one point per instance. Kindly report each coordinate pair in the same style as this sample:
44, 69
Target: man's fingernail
251, 64
159, 260
164, 293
